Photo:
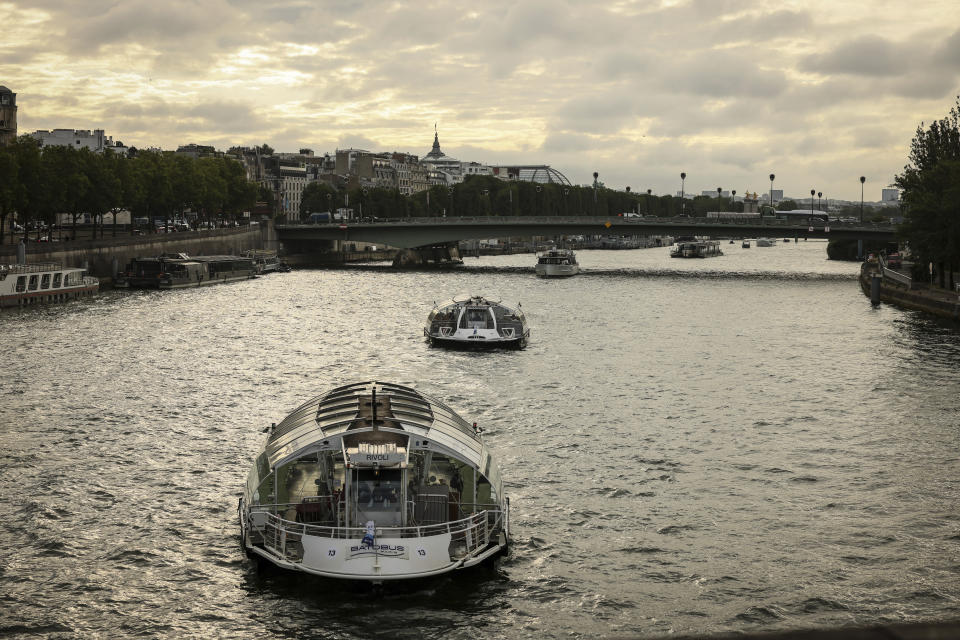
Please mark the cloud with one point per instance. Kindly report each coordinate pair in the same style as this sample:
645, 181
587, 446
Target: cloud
636, 89
867, 55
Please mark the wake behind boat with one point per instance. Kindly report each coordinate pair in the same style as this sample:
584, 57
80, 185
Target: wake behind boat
557, 263
374, 481
474, 321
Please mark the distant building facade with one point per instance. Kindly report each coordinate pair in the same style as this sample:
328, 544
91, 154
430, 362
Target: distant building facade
96, 140
198, 151
890, 195
8, 116
777, 196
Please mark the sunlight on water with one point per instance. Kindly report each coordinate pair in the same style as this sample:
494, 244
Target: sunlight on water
736, 443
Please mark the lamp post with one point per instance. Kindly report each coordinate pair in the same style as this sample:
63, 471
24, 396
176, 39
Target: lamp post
819, 204
595, 176
733, 200
862, 180
566, 210
772, 176
719, 193
363, 199
683, 176
813, 192
649, 191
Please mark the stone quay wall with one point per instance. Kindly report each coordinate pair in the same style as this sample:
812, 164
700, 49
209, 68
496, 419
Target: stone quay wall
915, 295
105, 256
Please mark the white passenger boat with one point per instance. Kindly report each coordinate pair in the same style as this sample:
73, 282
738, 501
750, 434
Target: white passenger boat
26, 284
266, 261
557, 263
765, 242
474, 321
374, 481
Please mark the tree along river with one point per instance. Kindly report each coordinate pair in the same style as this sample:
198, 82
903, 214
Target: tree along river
690, 446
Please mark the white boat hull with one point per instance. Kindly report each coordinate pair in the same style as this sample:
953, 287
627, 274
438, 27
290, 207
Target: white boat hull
557, 270
290, 545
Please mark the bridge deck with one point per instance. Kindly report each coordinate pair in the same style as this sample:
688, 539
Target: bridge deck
420, 232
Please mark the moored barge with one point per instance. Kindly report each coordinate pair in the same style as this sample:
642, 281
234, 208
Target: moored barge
696, 249
178, 270
374, 481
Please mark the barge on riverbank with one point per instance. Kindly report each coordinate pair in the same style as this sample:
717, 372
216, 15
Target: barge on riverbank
178, 270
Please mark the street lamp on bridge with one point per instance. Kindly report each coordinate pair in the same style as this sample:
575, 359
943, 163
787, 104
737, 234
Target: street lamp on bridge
862, 180
683, 176
733, 200
772, 176
819, 203
649, 191
595, 176
813, 192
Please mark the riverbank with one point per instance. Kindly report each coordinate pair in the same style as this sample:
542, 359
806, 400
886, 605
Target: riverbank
104, 257
898, 289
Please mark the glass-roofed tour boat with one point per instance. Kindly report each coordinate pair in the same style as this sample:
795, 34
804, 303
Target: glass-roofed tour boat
474, 321
374, 481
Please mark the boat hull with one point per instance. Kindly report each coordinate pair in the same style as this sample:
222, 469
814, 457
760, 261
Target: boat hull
557, 270
45, 297
324, 552
482, 343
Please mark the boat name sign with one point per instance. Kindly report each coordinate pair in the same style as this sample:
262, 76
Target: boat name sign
383, 459
382, 550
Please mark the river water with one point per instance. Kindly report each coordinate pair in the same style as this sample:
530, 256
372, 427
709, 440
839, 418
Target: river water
690, 446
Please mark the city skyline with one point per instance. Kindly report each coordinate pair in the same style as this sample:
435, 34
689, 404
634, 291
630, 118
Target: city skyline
727, 92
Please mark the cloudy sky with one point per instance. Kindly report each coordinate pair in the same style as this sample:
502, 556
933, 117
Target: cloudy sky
818, 92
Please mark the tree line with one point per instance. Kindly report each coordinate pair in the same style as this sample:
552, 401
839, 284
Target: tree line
489, 196
930, 197
42, 183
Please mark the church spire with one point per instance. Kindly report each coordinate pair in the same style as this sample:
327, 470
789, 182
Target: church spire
435, 152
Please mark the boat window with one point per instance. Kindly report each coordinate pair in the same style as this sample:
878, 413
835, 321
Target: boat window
45, 281
34, 281
377, 494
57, 277
486, 494
21, 283
476, 318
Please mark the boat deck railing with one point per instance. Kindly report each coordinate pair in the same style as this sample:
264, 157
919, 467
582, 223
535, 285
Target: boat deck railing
35, 267
283, 537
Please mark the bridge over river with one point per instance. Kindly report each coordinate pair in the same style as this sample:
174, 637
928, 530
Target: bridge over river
429, 234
